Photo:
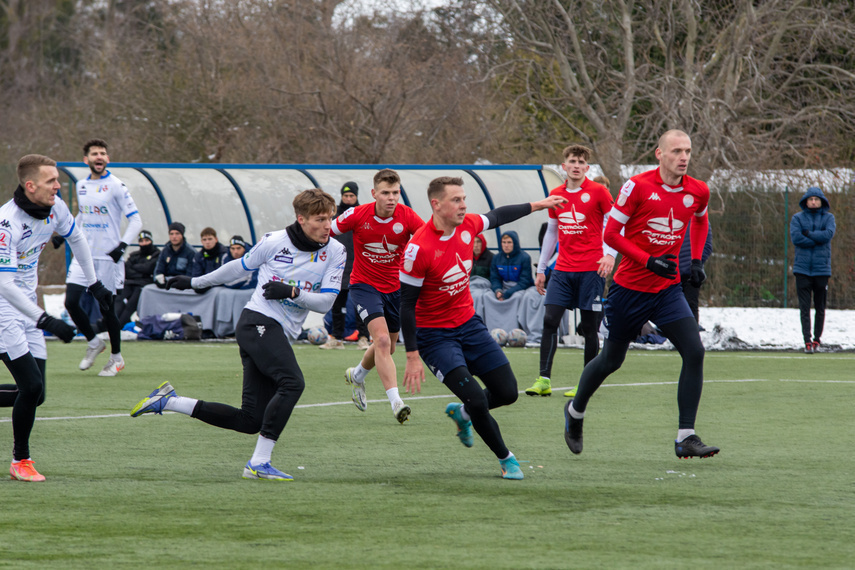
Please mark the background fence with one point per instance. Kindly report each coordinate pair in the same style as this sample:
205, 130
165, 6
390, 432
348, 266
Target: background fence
752, 259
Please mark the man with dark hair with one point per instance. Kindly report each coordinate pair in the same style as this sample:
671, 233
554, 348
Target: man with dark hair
583, 263
439, 321
647, 225
102, 202
26, 224
300, 268
176, 258
139, 271
380, 232
212, 255
349, 199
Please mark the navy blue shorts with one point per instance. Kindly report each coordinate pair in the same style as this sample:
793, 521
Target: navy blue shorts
626, 310
371, 303
468, 345
576, 290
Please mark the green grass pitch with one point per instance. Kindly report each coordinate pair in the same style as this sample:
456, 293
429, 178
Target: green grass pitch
370, 493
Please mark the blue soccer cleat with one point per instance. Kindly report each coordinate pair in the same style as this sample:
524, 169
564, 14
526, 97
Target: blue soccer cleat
154, 402
464, 427
265, 471
511, 468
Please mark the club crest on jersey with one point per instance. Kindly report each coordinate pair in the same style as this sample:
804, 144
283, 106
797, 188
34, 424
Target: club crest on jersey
398, 227
382, 252
688, 200
585, 197
664, 231
466, 237
571, 222
457, 277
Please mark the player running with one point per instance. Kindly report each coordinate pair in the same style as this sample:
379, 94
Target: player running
380, 232
26, 224
102, 202
299, 270
439, 321
647, 226
583, 264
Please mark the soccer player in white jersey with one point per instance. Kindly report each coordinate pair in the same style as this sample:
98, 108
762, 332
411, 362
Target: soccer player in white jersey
26, 224
102, 202
299, 270
439, 321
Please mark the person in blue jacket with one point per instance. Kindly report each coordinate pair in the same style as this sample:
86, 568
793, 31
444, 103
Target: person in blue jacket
811, 231
510, 270
176, 258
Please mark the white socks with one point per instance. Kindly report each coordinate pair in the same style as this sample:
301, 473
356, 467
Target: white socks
180, 404
464, 414
263, 450
574, 414
683, 434
392, 394
359, 373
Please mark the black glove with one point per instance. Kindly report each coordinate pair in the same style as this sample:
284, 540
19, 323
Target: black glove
118, 252
279, 290
56, 327
180, 282
698, 276
806, 233
663, 266
103, 295
57, 241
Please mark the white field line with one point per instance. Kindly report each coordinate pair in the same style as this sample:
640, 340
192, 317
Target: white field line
437, 397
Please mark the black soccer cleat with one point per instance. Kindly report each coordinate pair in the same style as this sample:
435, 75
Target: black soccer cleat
692, 446
572, 431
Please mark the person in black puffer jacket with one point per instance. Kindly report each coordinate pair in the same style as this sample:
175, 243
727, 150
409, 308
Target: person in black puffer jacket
139, 270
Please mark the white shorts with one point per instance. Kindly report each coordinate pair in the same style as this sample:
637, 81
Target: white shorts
19, 335
112, 275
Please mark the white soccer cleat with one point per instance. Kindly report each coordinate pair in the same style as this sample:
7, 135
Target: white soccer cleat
401, 411
92, 353
112, 368
357, 391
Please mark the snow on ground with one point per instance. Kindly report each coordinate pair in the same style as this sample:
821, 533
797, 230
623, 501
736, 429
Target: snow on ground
731, 328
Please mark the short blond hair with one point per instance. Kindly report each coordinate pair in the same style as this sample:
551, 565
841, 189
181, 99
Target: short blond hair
29, 166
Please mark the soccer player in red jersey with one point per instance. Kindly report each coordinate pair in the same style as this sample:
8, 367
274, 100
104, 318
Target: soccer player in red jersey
439, 321
647, 225
583, 262
380, 232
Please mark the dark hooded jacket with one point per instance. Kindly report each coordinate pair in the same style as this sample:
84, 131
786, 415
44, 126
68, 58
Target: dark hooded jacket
514, 267
811, 232
481, 263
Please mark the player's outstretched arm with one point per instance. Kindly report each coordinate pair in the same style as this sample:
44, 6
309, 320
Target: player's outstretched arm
507, 214
414, 373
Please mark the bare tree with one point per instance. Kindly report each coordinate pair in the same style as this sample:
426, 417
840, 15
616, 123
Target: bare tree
751, 81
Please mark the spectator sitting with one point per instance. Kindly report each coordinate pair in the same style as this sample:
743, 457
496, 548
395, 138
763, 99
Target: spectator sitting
482, 257
237, 249
139, 270
177, 259
510, 270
